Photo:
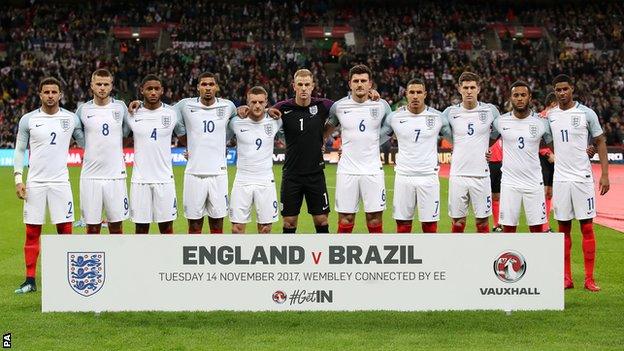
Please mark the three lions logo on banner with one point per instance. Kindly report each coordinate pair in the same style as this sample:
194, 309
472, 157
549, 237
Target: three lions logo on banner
86, 272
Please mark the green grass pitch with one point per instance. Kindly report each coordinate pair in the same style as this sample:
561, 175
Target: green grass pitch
591, 321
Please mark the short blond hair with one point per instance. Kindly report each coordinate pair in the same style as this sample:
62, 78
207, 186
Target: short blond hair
304, 72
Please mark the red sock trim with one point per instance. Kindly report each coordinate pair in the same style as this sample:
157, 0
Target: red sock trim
458, 227
429, 227
216, 231
64, 228
375, 229
548, 207
31, 248
509, 229
538, 228
495, 211
589, 248
404, 228
345, 228
483, 228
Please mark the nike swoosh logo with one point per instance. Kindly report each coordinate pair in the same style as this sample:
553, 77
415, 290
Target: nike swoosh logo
345, 112
402, 121
287, 112
90, 116
505, 128
454, 117
38, 125
244, 130
325, 207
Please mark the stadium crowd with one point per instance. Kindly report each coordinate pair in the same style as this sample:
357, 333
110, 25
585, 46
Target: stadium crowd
67, 42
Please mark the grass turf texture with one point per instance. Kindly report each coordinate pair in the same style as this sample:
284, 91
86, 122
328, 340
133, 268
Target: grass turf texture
590, 321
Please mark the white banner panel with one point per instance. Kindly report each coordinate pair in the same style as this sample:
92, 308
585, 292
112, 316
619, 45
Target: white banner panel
302, 272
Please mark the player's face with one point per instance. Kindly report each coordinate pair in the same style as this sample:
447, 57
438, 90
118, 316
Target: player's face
257, 103
50, 95
303, 87
207, 88
360, 85
416, 95
469, 91
102, 86
563, 91
152, 91
520, 98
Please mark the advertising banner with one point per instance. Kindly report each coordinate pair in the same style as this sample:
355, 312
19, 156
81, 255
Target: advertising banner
302, 272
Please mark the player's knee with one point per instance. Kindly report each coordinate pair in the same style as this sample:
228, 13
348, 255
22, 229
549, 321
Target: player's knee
459, 221
346, 218
495, 196
115, 227
290, 222
215, 223
264, 228
238, 228
320, 220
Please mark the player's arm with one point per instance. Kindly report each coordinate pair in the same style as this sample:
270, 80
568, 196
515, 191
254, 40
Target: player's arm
180, 127
133, 106
386, 131
78, 133
331, 123
446, 131
601, 142
374, 95
23, 134
494, 132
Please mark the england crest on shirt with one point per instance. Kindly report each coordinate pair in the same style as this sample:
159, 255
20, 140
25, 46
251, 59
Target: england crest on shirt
430, 122
576, 121
86, 272
166, 121
482, 116
65, 124
268, 129
533, 130
374, 112
220, 112
313, 110
117, 116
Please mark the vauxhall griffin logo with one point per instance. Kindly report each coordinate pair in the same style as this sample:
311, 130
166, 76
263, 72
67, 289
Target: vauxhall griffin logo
509, 266
85, 272
279, 297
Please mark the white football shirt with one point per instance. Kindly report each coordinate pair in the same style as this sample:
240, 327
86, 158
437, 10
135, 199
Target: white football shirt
207, 134
361, 125
48, 137
471, 138
152, 131
254, 148
571, 130
417, 135
521, 141
104, 128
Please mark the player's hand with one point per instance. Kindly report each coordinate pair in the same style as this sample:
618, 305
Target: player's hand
488, 155
274, 113
604, 184
374, 95
20, 190
551, 157
243, 111
591, 151
134, 106
185, 154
